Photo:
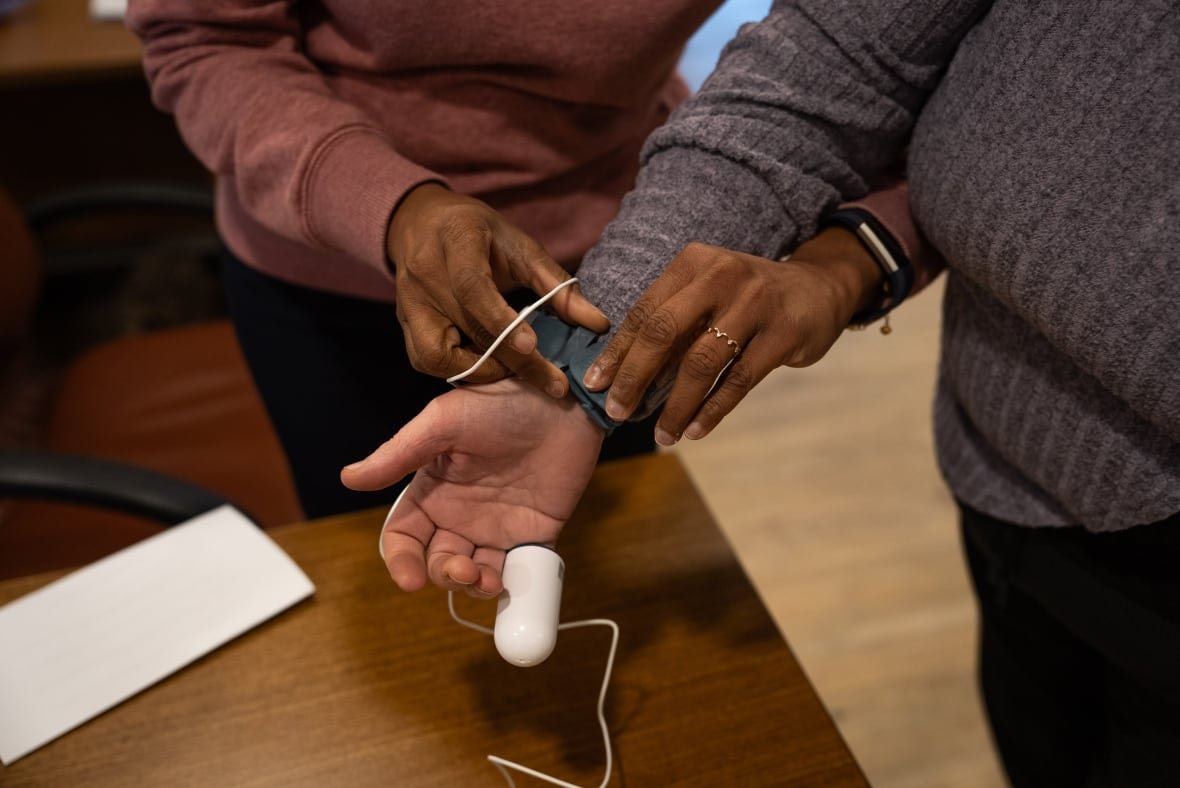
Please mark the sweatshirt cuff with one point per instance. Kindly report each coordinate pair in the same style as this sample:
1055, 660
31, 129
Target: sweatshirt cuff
353, 183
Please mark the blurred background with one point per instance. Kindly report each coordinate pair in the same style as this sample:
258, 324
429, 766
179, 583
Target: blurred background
823, 480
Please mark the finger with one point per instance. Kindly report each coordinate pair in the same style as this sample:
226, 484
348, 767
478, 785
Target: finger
754, 364
485, 313
404, 536
448, 561
415, 445
428, 312
405, 559
700, 371
660, 342
574, 307
533, 368
491, 566
532, 267
452, 572
537, 371
433, 345
676, 277
601, 372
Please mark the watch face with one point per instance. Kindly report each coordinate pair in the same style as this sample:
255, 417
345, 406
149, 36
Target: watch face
876, 246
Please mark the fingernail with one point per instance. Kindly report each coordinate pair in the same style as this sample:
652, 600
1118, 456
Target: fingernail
556, 389
593, 378
665, 438
353, 466
695, 431
522, 342
615, 409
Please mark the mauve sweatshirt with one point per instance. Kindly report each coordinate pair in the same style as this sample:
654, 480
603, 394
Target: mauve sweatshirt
1042, 144
317, 116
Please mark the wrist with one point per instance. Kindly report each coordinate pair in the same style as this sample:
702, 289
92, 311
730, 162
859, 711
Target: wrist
896, 273
847, 265
584, 416
405, 215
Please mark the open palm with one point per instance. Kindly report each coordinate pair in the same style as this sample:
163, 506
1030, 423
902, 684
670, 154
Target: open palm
498, 465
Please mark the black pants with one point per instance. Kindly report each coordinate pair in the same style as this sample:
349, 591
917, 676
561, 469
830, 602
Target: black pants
1079, 659
334, 376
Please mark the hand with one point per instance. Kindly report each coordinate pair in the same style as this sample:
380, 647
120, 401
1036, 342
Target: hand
452, 257
778, 313
498, 465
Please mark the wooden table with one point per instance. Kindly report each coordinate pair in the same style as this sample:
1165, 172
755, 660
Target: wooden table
75, 107
363, 685
54, 39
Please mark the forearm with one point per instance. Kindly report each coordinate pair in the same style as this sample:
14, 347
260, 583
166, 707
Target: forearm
806, 109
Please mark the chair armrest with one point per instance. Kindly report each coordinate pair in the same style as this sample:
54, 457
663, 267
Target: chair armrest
106, 226
126, 488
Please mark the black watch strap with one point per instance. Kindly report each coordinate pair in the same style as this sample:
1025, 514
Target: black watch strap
886, 251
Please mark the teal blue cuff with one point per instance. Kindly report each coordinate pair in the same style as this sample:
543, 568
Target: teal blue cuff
572, 349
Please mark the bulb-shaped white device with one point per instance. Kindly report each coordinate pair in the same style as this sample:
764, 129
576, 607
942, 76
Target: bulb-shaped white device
529, 607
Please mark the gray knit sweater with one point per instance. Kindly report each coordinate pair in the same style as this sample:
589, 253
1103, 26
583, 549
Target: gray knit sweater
1042, 144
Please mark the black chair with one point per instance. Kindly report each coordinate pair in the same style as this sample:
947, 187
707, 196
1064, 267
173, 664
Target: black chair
138, 430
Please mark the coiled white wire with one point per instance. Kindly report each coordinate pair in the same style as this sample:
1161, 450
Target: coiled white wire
502, 764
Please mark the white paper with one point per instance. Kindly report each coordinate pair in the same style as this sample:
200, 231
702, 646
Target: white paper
108, 9
89, 641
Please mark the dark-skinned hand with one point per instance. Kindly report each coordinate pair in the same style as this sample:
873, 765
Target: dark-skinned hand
776, 313
453, 256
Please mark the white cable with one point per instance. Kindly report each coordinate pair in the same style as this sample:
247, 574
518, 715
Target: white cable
504, 334
502, 763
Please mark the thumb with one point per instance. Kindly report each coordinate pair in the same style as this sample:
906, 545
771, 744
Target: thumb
534, 268
573, 307
414, 446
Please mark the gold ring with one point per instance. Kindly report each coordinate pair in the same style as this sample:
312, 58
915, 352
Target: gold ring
737, 349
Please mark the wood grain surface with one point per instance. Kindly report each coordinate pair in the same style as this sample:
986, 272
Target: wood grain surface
363, 685
57, 39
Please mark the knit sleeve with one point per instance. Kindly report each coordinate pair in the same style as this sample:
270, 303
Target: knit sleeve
251, 105
808, 108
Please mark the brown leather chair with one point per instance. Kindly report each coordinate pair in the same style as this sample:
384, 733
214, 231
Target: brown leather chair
178, 402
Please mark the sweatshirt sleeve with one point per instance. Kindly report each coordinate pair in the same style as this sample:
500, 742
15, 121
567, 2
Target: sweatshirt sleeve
250, 105
806, 109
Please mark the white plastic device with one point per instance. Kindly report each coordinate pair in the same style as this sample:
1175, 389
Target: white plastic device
529, 606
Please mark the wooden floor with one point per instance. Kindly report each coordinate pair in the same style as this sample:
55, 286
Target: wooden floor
824, 480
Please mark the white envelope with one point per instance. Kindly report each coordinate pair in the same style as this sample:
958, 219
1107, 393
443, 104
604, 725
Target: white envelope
108, 10
89, 641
